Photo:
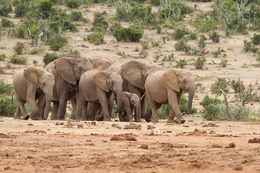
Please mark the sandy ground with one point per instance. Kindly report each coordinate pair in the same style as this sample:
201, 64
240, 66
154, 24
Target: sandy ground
70, 146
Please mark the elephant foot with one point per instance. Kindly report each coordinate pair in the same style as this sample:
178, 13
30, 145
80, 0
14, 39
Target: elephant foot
107, 119
26, 117
178, 120
16, 117
154, 120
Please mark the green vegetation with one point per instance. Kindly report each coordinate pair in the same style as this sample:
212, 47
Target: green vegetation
19, 48
181, 63
73, 3
7, 107
199, 63
7, 23
2, 57
96, 38
223, 63
49, 57
76, 16
182, 45
220, 85
214, 37
18, 59
99, 23
256, 39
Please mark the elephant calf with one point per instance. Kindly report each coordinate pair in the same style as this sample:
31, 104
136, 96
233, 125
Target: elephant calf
131, 104
30, 84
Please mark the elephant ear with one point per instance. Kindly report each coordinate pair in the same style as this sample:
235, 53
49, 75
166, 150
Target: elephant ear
65, 71
132, 72
171, 79
100, 80
31, 74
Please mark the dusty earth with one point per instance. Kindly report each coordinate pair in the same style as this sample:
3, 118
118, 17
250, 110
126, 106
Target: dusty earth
70, 146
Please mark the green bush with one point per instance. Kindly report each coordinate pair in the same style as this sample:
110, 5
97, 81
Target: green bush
256, 39
2, 57
49, 57
76, 16
223, 63
214, 36
250, 47
5, 7
199, 63
184, 106
211, 109
155, 2
237, 86
73, 3
181, 63
99, 23
45, 8
20, 32
18, 60
19, 48
21, 9
5, 88
7, 23
181, 45
57, 41
135, 33
180, 33
164, 111
96, 38
201, 42
122, 14
216, 53
193, 36
2, 70
204, 23
220, 84
7, 107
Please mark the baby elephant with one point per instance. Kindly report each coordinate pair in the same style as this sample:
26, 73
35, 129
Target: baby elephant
131, 104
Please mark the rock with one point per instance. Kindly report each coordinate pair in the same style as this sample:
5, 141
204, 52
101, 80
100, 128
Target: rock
94, 123
30, 124
254, 140
80, 126
238, 168
231, 145
144, 146
216, 146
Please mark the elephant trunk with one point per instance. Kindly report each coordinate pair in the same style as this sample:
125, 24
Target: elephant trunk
191, 95
47, 109
119, 102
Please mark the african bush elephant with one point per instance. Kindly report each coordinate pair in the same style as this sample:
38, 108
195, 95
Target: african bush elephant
30, 84
96, 87
130, 104
134, 74
67, 72
165, 87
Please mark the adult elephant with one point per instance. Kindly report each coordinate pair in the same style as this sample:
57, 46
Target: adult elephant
166, 87
96, 87
67, 72
134, 74
29, 85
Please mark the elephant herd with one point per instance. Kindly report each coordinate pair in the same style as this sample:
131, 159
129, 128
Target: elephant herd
92, 85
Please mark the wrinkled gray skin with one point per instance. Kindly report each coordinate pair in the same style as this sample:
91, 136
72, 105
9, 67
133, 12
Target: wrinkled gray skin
131, 104
67, 72
29, 85
96, 87
166, 87
134, 74
100, 63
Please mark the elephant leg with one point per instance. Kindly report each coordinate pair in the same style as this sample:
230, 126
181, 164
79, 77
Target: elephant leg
62, 107
153, 107
102, 98
111, 103
20, 105
92, 110
143, 106
173, 102
41, 105
128, 109
74, 103
55, 110
17, 113
79, 106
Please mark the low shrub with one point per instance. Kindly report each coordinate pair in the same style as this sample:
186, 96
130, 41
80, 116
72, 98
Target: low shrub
45, 8
73, 3
2, 57
99, 23
18, 60
180, 33
21, 9
214, 36
57, 41
181, 63
7, 23
220, 84
5, 8
155, 2
5, 88
7, 107
19, 48
135, 33
96, 38
211, 109
223, 63
181, 45
216, 53
184, 106
237, 86
76, 16
201, 42
250, 47
2, 70
199, 63
49, 57
256, 39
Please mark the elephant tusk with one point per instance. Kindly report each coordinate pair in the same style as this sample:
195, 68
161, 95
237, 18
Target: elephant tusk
142, 96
